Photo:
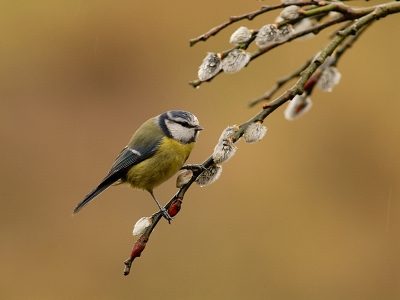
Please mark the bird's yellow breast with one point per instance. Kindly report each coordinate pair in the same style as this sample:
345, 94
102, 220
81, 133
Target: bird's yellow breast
167, 160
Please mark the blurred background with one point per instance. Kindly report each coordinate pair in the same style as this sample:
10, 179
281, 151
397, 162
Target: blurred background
310, 212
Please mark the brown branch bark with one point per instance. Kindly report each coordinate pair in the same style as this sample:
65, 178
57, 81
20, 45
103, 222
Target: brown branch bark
297, 89
348, 14
249, 16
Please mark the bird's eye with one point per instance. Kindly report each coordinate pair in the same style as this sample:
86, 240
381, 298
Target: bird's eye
184, 124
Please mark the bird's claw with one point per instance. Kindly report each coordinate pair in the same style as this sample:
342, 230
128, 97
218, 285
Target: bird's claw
194, 167
166, 214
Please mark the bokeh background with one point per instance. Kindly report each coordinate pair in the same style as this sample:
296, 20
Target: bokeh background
311, 212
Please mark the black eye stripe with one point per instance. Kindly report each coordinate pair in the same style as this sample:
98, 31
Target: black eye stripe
183, 123
186, 124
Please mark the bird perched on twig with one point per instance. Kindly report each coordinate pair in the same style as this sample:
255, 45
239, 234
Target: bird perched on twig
156, 151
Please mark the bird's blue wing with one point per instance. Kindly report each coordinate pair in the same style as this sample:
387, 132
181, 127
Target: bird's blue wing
124, 161
130, 157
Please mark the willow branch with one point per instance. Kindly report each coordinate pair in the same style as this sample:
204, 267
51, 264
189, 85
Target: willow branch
249, 16
298, 88
343, 27
289, 94
347, 14
348, 44
279, 83
314, 29
140, 244
323, 6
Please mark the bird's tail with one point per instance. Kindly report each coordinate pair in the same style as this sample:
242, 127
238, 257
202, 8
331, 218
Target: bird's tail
93, 194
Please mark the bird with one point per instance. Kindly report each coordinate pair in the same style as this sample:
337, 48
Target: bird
156, 151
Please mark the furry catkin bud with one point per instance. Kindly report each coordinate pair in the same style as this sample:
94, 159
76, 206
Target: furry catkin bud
225, 148
210, 67
235, 61
298, 107
228, 132
141, 225
210, 175
266, 35
254, 132
241, 35
334, 14
183, 178
304, 24
223, 151
284, 33
329, 78
290, 12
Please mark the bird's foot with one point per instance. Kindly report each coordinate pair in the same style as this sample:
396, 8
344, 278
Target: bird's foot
166, 214
194, 168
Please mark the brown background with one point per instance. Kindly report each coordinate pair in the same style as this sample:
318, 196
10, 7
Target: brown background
311, 212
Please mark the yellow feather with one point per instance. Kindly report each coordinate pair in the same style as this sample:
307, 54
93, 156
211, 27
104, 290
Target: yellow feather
167, 160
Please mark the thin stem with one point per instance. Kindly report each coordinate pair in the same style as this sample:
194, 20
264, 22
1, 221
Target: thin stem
297, 89
289, 94
347, 13
249, 16
279, 83
314, 29
348, 44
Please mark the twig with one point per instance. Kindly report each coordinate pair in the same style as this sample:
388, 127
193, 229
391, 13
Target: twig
289, 94
314, 29
298, 88
347, 13
348, 44
279, 83
140, 244
344, 26
249, 16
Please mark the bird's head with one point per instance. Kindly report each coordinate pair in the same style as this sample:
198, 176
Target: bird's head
180, 125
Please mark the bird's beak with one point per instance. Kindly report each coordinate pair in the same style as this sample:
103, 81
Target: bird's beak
198, 128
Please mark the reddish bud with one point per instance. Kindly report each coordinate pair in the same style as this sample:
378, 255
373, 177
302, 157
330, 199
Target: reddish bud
266, 105
298, 107
312, 81
139, 246
329, 78
137, 249
175, 207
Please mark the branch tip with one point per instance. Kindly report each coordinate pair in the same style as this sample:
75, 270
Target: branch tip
137, 249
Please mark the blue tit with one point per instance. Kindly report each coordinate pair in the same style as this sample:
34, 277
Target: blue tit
156, 151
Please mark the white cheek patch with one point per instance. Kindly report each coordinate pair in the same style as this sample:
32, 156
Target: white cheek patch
180, 133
